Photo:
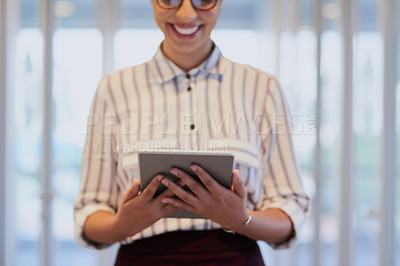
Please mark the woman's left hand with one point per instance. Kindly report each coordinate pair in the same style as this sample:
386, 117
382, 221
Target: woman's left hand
212, 201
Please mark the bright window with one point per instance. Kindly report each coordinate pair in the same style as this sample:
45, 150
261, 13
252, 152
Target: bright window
78, 66
28, 137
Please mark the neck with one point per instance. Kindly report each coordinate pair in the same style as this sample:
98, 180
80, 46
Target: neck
187, 60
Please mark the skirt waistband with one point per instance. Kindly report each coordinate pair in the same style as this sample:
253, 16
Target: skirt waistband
196, 248
184, 242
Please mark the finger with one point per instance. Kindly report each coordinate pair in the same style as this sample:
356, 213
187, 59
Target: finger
132, 191
151, 188
206, 179
170, 193
178, 204
238, 185
137, 185
181, 193
234, 174
194, 185
168, 209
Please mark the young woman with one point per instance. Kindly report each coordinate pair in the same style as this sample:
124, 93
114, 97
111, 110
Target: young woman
189, 96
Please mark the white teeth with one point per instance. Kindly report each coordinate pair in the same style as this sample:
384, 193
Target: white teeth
186, 31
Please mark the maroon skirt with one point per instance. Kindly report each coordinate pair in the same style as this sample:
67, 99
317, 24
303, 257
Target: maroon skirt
214, 247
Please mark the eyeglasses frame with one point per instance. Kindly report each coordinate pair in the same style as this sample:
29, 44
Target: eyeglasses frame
191, 1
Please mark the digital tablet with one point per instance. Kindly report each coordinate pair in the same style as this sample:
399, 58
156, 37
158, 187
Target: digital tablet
219, 165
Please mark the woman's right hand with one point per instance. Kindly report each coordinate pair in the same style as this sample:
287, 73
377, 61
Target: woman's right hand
139, 210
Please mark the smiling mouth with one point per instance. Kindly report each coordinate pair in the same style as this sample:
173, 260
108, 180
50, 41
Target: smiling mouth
186, 31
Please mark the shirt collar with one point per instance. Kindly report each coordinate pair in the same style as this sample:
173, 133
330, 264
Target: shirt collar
167, 71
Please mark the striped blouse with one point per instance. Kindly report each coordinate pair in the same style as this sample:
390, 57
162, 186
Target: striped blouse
218, 106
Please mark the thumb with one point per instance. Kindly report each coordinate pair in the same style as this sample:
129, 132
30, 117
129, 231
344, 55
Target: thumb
238, 185
132, 192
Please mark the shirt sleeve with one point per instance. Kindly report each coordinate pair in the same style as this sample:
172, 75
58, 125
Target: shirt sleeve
281, 175
98, 188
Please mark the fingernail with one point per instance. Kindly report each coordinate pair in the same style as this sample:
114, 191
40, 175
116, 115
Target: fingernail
174, 171
160, 177
165, 182
194, 168
165, 201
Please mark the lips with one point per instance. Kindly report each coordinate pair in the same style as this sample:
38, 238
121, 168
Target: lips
185, 31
